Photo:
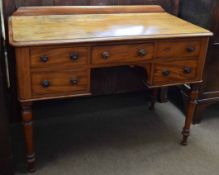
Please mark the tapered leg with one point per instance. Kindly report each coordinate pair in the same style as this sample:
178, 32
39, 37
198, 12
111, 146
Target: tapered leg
190, 112
153, 98
28, 135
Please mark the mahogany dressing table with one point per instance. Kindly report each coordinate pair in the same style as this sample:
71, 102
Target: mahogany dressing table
57, 47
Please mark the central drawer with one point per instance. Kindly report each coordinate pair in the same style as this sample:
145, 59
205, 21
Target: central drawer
59, 82
122, 53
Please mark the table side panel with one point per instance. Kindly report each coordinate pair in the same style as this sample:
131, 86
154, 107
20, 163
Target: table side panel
202, 57
23, 72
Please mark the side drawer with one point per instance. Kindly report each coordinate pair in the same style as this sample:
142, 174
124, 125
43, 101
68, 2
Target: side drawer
173, 72
178, 48
122, 53
69, 56
59, 82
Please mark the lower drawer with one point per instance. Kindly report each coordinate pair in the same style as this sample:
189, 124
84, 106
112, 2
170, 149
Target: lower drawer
173, 72
59, 82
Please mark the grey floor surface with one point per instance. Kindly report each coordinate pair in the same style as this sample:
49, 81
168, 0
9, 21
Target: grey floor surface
118, 135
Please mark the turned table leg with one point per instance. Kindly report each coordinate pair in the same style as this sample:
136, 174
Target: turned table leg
28, 135
190, 112
153, 98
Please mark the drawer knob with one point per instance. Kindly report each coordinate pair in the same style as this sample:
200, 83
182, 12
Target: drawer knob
105, 55
187, 70
74, 81
142, 52
74, 56
45, 83
166, 73
190, 49
44, 58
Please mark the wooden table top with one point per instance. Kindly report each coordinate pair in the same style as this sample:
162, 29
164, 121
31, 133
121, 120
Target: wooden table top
76, 28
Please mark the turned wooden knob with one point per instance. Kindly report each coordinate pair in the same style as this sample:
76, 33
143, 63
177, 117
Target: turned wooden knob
187, 70
74, 56
166, 73
190, 49
142, 52
44, 58
74, 81
45, 83
105, 55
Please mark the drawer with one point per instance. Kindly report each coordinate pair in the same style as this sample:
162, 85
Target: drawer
59, 82
178, 48
122, 53
175, 72
69, 56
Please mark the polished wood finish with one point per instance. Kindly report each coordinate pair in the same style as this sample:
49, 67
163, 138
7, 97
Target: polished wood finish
179, 48
122, 53
28, 134
190, 112
27, 31
23, 72
34, 71
175, 72
102, 40
47, 56
53, 83
109, 81
66, 10
10, 6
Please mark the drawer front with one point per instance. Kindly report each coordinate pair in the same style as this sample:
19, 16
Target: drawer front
122, 53
178, 48
44, 57
175, 72
59, 82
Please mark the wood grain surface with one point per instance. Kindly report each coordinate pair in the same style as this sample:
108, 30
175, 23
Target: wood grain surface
64, 10
112, 82
176, 71
60, 82
122, 53
60, 56
179, 48
48, 29
84, 42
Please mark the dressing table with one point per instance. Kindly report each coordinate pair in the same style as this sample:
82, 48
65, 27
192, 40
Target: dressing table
58, 47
